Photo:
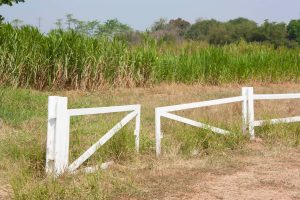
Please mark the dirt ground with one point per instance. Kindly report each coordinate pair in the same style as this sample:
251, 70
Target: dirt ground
260, 174
6, 192
263, 177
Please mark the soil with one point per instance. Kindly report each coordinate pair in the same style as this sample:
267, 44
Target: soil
261, 173
6, 192
264, 177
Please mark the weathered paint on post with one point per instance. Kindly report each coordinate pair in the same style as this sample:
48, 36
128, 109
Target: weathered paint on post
61, 136
251, 112
137, 128
158, 131
52, 101
245, 110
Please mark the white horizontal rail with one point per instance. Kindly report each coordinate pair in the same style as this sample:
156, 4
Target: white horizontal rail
194, 123
102, 141
276, 96
277, 121
102, 110
201, 104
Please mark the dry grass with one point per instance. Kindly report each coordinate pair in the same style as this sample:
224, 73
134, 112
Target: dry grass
189, 153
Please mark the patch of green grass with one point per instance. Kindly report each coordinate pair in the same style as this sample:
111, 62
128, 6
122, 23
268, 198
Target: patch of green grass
99, 185
20, 105
189, 141
280, 134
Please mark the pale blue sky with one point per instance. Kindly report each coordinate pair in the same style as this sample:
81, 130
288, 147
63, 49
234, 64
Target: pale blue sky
140, 14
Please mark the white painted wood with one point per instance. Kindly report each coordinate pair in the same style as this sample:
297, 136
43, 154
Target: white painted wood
102, 141
102, 110
251, 112
52, 100
194, 123
201, 104
277, 121
61, 144
244, 110
137, 129
276, 96
158, 136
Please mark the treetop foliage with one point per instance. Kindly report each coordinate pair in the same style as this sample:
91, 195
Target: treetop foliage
109, 28
177, 30
10, 2
219, 33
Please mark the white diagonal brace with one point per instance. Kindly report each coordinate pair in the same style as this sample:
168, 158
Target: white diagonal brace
195, 123
102, 141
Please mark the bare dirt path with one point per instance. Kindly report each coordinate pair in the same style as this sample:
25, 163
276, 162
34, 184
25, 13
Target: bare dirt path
6, 192
262, 175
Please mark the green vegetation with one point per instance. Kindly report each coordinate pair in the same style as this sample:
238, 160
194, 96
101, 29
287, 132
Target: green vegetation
70, 60
293, 30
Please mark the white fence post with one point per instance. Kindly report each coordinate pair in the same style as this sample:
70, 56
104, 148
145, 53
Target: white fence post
52, 101
57, 136
251, 112
137, 128
245, 109
158, 131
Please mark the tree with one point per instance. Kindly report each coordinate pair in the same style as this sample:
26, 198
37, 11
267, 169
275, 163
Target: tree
293, 30
170, 31
201, 29
10, 3
218, 34
241, 28
180, 25
16, 23
59, 24
111, 28
160, 24
87, 28
83, 27
271, 31
70, 21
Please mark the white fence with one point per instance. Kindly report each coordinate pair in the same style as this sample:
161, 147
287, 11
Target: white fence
57, 154
253, 123
247, 99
